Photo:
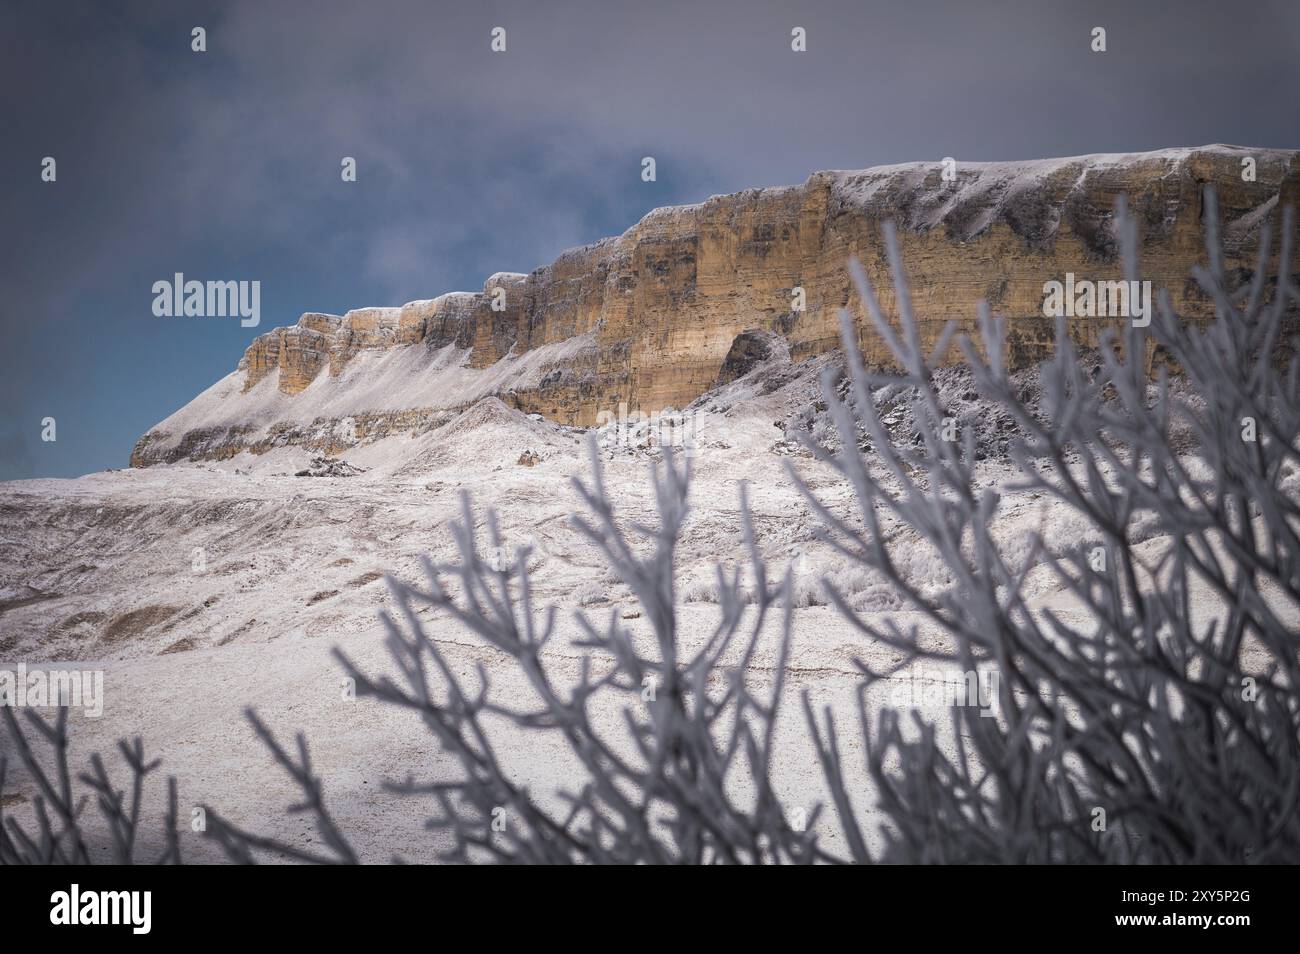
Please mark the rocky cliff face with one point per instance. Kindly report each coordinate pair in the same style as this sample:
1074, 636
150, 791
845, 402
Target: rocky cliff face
657, 316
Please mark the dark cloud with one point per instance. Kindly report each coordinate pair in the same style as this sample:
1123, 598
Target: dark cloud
226, 164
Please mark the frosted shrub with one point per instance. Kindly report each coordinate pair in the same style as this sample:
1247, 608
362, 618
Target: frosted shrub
807, 590
700, 591
1163, 725
588, 593
60, 836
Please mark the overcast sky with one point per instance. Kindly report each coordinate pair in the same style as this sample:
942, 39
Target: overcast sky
225, 164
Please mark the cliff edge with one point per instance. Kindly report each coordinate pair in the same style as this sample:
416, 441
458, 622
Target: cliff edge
649, 318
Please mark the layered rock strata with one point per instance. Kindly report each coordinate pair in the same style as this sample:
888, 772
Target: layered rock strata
662, 313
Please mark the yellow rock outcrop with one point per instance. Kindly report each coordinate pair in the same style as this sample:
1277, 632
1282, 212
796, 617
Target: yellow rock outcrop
666, 300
